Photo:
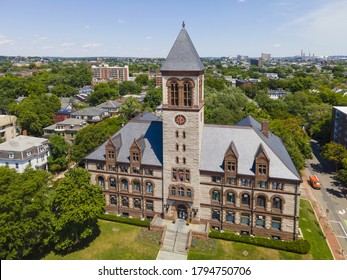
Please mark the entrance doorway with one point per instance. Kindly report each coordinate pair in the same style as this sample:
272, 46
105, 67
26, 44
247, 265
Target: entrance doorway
182, 212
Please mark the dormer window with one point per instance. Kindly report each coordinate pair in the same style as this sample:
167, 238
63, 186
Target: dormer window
111, 154
10, 155
231, 166
136, 157
262, 169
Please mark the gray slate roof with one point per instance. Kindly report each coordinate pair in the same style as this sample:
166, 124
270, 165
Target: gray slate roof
147, 116
217, 139
183, 55
246, 138
90, 111
152, 142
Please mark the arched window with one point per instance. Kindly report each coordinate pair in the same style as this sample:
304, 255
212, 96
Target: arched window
230, 197
245, 199
149, 187
113, 200
187, 95
216, 195
125, 201
137, 203
261, 201
173, 191
277, 203
181, 191
101, 181
112, 182
174, 93
125, 185
136, 186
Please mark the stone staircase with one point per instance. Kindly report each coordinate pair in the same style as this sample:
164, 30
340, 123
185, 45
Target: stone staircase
175, 241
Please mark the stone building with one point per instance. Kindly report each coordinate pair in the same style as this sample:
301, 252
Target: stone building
238, 178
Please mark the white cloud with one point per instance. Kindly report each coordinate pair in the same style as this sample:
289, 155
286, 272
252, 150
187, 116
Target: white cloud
66, 45
39, 38
148, 37
47, 47
4, 40
91, 45
241, 1
328, 22
121, 21
87, 27
276, 45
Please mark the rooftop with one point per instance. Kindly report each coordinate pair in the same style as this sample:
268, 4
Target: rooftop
22, 143
342, 109
183, 55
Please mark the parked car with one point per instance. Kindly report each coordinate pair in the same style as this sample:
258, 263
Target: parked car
315, 183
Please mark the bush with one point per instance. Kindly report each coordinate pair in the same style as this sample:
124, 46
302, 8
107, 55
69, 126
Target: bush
129, 221
300, 246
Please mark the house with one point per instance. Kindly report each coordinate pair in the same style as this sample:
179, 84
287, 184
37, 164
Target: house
67, 128
277, 94
8, 127
112, 106
91, 114
23, 151
238, 178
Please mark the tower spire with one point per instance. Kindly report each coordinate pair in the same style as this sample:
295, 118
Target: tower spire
183, 25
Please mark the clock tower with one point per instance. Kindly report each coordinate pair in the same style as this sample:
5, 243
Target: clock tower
183, 120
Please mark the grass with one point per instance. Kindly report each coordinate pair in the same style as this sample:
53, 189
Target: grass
117, 241
214, 249
312, 232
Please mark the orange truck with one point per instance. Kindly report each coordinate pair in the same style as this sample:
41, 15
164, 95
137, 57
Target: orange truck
315, 183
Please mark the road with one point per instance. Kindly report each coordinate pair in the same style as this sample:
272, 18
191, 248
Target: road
332, 196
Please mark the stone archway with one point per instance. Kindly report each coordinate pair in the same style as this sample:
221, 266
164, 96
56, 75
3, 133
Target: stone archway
182, 212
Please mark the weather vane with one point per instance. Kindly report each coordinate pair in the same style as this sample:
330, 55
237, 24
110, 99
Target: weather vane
183, 25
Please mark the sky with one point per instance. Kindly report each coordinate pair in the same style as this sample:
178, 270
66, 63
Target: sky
148, 28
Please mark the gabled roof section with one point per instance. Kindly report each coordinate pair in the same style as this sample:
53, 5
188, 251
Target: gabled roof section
183, 55
261, 151
232, 150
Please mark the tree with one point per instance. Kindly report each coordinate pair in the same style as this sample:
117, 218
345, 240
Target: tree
57, 161
64, 91
25, 220
93, 135
102, 93
128, 87
129, 108
142, 80
334, 152
76, 204
215, 83
153, 98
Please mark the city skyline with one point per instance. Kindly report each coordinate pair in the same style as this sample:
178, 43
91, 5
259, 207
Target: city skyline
148, 29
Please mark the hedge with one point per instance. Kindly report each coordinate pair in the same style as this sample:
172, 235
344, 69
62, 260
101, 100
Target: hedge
299, 246
120, 219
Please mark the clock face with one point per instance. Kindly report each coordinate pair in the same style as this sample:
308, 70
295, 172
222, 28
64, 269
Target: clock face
180, 119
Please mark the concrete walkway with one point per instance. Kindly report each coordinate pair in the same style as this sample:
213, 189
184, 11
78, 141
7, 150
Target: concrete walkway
176, 239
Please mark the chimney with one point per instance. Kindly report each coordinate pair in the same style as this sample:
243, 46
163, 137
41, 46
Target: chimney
265, 128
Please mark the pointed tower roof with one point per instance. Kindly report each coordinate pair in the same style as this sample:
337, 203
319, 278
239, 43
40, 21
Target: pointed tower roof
183, 55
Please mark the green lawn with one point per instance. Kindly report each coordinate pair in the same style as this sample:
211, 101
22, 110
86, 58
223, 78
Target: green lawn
215, 249
312, 232
117, 241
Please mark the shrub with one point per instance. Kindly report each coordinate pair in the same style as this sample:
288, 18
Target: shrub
129, 221
299, 246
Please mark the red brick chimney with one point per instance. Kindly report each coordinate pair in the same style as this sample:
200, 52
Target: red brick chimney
265, 128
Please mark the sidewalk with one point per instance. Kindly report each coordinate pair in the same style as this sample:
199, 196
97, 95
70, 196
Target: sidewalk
332, 241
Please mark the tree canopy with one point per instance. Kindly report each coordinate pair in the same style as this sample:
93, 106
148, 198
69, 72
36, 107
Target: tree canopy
76, 204
24, 212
